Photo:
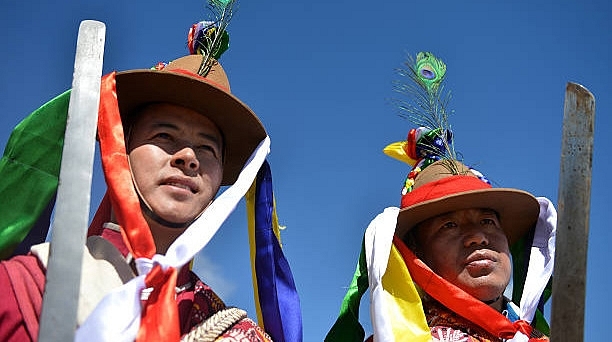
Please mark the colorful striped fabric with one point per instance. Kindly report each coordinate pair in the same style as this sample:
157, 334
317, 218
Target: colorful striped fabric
395, 306
276, 298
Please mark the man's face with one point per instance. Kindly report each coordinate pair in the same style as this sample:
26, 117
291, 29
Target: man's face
176, 158
469, 249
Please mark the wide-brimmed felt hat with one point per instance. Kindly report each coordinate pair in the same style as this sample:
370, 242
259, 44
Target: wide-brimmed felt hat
179, 83
448, 185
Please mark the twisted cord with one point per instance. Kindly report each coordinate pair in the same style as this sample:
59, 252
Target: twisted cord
215, 325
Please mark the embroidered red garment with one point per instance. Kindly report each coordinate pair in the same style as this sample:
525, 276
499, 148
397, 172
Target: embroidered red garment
201, 302
448, 326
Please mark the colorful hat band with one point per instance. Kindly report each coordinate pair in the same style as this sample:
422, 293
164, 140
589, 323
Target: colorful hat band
443, 187
195, 75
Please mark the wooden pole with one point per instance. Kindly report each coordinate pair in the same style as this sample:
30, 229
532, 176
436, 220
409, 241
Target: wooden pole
569, 277
69, 227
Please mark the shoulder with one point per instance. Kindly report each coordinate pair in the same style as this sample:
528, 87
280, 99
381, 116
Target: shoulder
22, 276
217, 321
23, 267
103, 269
22, 281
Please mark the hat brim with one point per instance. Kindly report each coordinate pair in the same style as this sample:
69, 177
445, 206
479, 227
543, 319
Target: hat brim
518, 210
242, 130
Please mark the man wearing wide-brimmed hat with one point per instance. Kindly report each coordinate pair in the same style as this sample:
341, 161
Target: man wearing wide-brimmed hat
461, 241
438, 266
170, 137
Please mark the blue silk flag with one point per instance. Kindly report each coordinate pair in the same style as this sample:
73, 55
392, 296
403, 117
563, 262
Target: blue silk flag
276, 295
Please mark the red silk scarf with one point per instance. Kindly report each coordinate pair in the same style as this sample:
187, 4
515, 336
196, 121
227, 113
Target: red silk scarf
159, 320
458, 300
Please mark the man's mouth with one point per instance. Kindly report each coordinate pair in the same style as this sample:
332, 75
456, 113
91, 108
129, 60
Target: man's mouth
479, 255
181, 183
480, 260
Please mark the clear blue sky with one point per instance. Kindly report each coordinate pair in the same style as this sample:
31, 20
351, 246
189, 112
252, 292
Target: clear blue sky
319, 74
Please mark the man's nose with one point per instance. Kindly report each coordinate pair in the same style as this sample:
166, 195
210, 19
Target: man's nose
476, 237
185, 159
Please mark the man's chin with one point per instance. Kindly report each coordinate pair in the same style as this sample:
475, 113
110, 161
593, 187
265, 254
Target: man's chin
168, 218
486, 292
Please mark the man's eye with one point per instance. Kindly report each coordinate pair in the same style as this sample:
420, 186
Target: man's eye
162, 135
488, 221
207, 148
449, 225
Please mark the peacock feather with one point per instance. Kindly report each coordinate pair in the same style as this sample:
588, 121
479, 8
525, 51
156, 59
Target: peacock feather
209, 38
424, 103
